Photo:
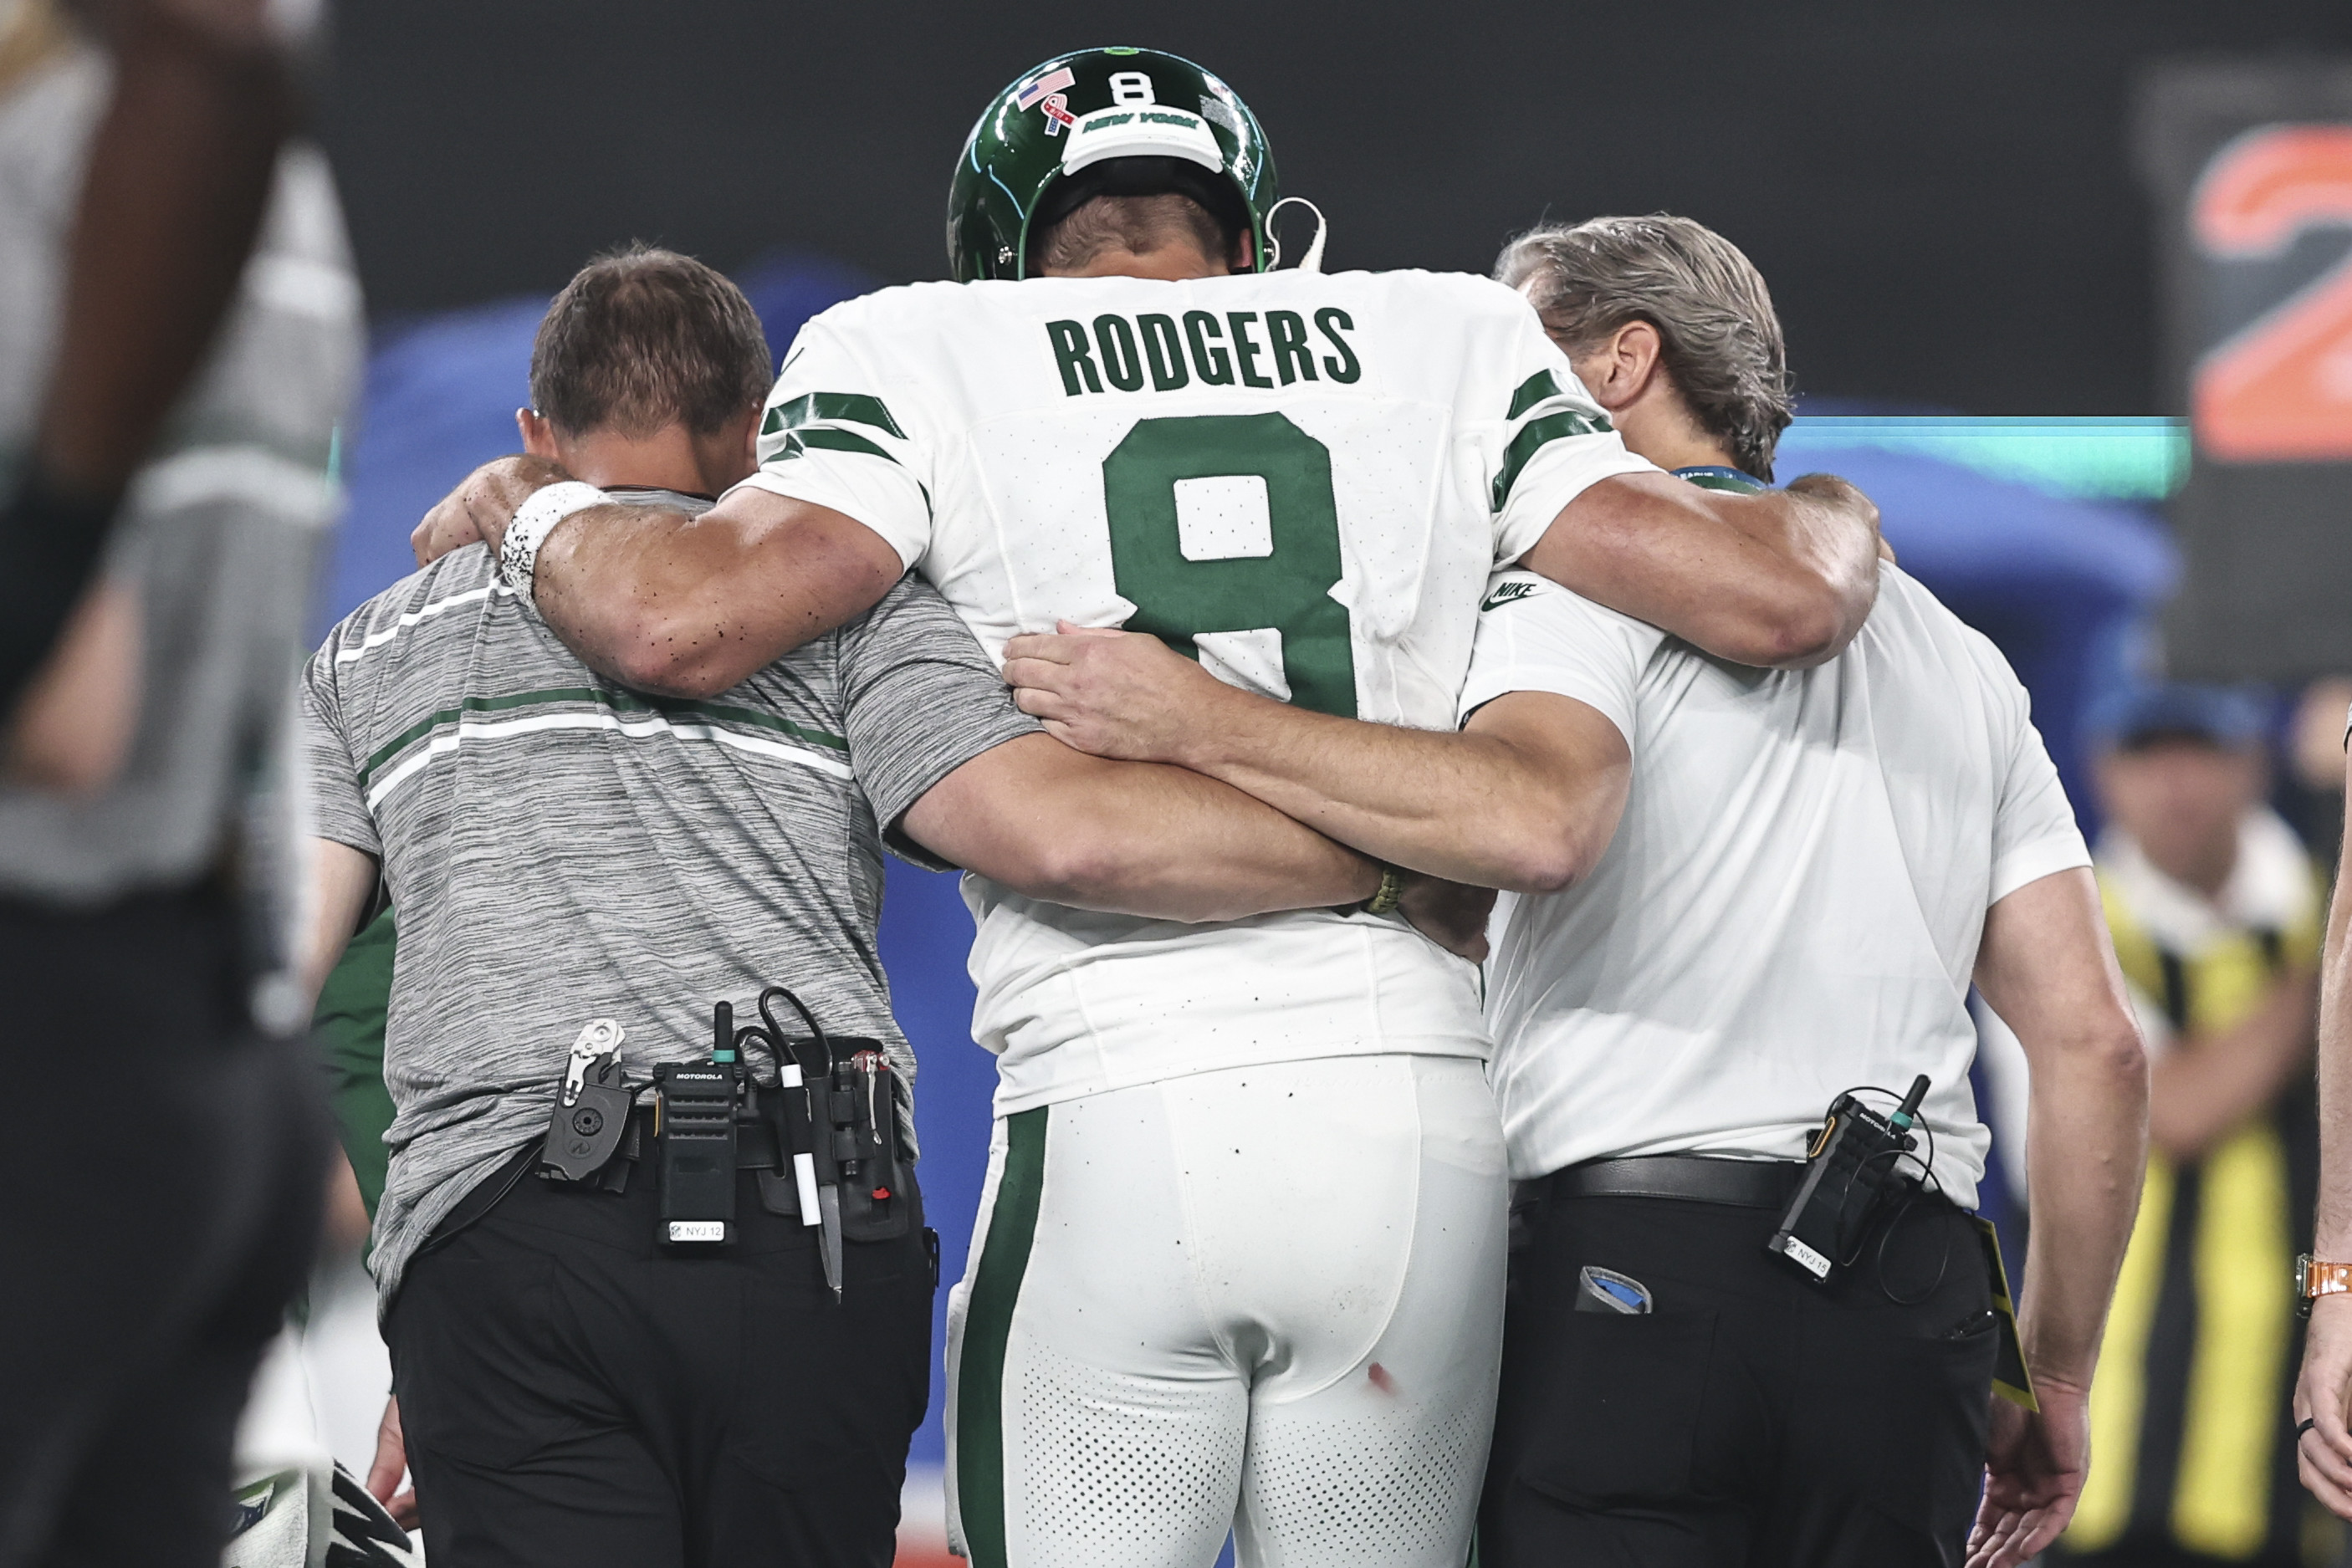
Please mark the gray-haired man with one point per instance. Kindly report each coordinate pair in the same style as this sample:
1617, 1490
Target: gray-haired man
1748, 891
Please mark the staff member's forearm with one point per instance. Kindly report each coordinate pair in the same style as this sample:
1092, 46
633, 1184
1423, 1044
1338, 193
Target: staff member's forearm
1527, 806
1128, 837
1782, 580
342, 879
2334, 1239
2047, 968
676, 605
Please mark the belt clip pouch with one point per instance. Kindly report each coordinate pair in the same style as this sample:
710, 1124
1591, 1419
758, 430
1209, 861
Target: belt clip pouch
864, 1122
1850, 1176
585, 1130
694, 1150
764, 1148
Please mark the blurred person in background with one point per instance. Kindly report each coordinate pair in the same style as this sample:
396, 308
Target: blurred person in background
2215, 911
158, 1185
2313, 795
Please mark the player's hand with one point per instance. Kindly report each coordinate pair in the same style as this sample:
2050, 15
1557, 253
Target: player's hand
384, 1477
478, 509
1449, 914
2323, 1456
2034, 1469
1121, 695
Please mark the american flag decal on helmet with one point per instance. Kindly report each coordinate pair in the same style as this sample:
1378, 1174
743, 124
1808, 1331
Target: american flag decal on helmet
1052, 81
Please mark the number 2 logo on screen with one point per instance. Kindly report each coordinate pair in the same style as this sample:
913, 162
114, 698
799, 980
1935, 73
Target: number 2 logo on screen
2279, 390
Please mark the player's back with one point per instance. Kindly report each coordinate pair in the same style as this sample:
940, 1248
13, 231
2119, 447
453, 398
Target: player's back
1304, 478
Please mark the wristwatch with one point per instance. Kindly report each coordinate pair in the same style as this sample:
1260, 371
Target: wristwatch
2314, 1278
1390, 894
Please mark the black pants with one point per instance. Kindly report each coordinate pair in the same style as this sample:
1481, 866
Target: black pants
161, 1172
1753, 1418
575, 1395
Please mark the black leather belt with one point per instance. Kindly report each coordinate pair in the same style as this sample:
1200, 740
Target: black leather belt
1694, 1178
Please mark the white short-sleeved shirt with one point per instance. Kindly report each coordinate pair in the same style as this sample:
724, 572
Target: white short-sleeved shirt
1304, 478
1793, 902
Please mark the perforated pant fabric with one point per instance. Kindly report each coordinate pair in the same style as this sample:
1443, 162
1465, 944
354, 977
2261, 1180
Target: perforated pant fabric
1265, 1301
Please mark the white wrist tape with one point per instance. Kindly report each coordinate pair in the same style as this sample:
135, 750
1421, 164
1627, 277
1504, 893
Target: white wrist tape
533, 521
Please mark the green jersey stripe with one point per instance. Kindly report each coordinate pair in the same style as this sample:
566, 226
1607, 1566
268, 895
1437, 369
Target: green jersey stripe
987, 1331
619, 702
817, 408
1533, 390
800, 440
1538, 434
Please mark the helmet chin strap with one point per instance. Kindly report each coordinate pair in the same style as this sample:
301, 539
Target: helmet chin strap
1313, 260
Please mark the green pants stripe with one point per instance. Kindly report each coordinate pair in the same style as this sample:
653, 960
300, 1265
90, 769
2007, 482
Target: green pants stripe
988, 1327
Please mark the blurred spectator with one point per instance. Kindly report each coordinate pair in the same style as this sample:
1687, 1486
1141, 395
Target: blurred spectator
162, 482
2313, 796
2215, 910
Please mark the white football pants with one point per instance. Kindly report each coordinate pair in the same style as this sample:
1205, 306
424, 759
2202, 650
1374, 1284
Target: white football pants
1267, 1300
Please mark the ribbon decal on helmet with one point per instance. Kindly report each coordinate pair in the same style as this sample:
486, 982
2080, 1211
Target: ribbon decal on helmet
1057, 106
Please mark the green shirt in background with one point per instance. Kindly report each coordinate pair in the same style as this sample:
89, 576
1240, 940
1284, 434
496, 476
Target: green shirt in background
349, 1026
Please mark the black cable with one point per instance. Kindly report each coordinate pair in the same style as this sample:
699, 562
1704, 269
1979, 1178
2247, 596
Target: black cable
816, 1029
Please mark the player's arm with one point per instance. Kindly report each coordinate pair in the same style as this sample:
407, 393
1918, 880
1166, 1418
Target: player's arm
2047, 968
1781, 578
1128, 837
664, 602
178, 176
1526, 797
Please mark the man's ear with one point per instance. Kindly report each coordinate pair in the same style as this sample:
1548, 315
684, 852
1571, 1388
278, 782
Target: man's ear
1244, 253
1620, 368
538, 434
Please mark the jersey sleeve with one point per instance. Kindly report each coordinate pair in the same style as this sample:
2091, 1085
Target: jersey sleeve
2034, 833
1536, 636
922, 699
339, 807
830, 436
1545, 440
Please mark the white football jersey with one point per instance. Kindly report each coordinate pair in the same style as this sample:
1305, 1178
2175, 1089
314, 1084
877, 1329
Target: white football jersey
1306, 479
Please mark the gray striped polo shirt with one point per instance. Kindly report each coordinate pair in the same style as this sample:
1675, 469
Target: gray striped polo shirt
560, 849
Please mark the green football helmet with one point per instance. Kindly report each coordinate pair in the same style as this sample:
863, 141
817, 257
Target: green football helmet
1088, 110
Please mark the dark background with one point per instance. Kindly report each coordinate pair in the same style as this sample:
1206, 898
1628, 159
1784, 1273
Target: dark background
1941, 193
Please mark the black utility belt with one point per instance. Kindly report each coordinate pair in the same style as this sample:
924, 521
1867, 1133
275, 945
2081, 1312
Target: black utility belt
1863, 1170
824, 1136
1691, 1178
